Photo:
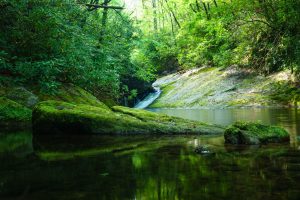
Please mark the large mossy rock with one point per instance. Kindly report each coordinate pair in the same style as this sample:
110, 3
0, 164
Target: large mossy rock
13, 113
55, 117
72, 94
22, 96
249, 133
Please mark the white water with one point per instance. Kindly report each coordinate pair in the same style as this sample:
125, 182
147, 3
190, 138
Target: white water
148, 99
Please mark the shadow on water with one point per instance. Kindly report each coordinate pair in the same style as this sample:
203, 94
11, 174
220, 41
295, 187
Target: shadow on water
144, 167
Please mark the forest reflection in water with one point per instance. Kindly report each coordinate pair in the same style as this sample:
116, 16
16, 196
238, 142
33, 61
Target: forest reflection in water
151, 168
144, 167
289, 118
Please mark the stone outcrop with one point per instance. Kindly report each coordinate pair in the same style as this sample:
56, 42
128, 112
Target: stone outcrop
254, 134
56, 117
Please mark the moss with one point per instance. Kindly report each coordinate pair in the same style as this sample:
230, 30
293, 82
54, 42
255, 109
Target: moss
230, 87
54, 117
284, 92
209, 93
254, 133
2, 91
176, 124
22, 96
145, 115
206, 69
73, 94
167, 88
11, 111
237, 102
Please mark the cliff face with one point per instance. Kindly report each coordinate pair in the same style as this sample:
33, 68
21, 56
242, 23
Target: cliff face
216, 88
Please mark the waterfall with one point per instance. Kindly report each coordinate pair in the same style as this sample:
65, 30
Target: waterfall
149, 99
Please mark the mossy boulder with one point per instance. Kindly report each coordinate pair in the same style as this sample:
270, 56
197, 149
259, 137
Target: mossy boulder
73, 94
56, 117
22, 96
13, 113
249, 133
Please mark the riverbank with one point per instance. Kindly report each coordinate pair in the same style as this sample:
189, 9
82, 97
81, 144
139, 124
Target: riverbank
72, 110
231, 87
17, 102
76, 112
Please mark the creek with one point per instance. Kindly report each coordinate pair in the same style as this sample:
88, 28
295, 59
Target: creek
157, 167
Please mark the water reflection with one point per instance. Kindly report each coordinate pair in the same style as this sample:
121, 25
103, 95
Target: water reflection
288, 118
161, 168
153, 167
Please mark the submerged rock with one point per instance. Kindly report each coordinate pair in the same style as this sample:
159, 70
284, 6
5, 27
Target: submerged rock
204, 150
56, 117
254, 133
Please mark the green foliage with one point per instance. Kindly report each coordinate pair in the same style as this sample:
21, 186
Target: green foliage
204, 42
285, 92
155, 53
46, 44
263, 35
269, 33
49, 43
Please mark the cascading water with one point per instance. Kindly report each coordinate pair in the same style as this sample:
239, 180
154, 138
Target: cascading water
148, 99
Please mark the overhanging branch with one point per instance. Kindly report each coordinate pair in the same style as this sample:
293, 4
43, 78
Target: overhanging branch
104, 6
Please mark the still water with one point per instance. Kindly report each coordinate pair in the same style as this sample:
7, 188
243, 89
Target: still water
153, 167
287, 118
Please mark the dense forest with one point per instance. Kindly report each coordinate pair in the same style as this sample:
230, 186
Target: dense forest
150, 99
116, 53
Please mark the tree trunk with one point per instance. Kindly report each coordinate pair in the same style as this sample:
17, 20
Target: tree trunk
154, 7
104, 20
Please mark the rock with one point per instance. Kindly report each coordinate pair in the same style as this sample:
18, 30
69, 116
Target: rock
56, 117
73, 94
13, 114
204, 150
254, 133
22, 96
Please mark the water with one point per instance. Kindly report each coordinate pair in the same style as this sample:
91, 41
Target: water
149, 99
144, 167
287, 118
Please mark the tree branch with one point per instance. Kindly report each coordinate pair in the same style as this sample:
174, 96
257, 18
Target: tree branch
258, 20
104, 6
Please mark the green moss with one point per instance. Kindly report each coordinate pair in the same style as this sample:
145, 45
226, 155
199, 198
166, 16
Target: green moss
145, 115
54, 117
206, 69
167, 88
209, 93
254, 133
230, 87
13, 111
183, 124
237, 102
285, 93
75, 95
22, 96
2, 91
